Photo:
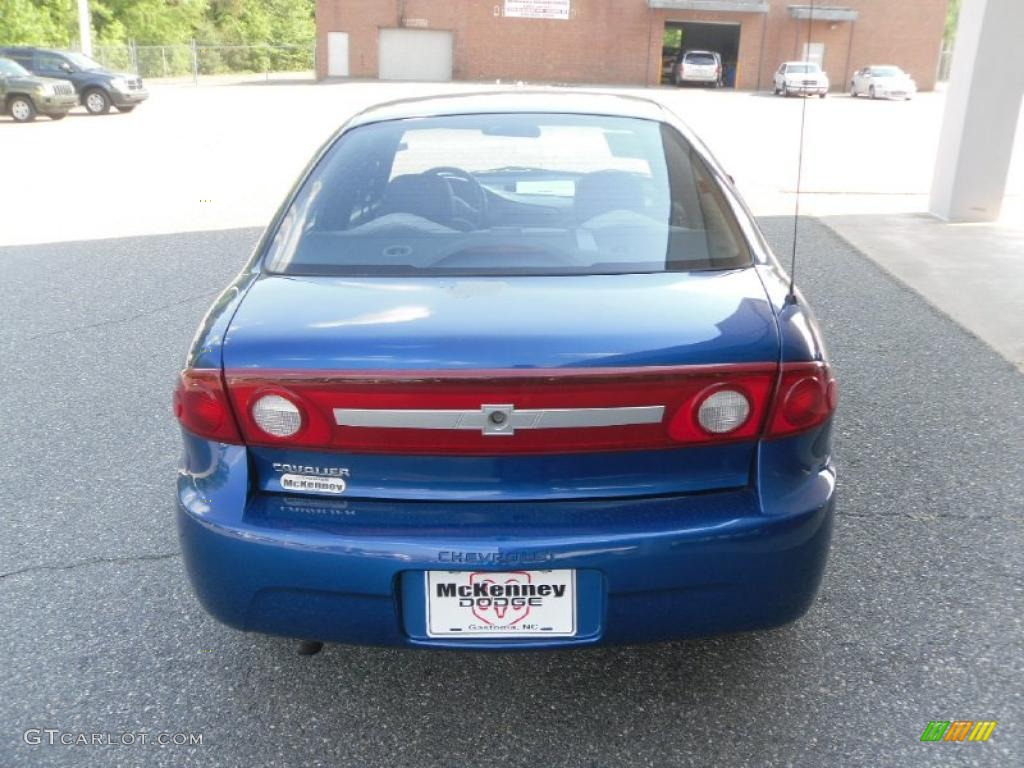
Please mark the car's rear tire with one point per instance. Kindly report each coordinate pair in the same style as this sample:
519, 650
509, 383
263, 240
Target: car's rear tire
127, 109
96, 101
853, 90
871, 92
58, 116
22, 109
823, 95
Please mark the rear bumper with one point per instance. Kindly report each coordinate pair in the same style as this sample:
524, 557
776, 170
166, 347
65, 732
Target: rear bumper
698, 78
351, 571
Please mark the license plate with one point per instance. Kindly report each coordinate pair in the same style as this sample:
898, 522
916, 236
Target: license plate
501, 603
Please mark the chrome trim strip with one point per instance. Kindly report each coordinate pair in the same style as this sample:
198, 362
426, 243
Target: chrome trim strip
499, 419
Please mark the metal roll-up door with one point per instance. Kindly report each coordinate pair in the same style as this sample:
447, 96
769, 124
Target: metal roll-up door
415, 54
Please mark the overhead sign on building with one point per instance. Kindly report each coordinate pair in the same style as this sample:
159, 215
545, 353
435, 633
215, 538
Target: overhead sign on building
538, 9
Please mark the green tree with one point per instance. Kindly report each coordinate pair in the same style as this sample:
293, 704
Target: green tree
147, 22
37, 22
263, 25
952, 19
256, 23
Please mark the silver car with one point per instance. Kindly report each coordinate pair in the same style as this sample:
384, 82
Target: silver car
704, 67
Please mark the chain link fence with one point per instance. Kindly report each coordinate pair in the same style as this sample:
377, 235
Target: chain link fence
151, 61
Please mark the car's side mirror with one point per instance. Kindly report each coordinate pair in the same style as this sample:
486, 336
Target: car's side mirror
67, 67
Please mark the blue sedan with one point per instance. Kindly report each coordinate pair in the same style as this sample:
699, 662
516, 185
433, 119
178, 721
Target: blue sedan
510, 370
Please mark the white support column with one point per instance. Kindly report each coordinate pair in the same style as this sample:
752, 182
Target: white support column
84, 32
982, 106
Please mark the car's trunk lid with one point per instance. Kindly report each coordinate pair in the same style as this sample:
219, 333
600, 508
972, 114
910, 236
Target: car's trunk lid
401, 375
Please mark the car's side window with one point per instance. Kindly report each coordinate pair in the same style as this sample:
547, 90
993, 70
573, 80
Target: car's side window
48, 62
21, 58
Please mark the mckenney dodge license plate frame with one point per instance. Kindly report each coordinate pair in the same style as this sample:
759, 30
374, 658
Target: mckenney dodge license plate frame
501, 603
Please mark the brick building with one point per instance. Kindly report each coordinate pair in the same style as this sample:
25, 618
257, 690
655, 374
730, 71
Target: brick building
620, 41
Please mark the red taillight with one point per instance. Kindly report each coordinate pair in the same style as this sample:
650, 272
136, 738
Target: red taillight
807, 395
466, 413
202, 406
397, 412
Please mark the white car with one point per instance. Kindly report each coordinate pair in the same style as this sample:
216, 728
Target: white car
805, 78
883, 82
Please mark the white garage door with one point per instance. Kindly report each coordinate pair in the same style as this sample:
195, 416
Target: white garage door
415, 54
337, 54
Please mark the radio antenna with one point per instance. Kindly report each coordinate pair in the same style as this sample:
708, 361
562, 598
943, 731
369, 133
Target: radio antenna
791, 298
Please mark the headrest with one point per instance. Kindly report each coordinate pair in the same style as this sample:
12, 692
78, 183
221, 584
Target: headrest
604, 191
428, 196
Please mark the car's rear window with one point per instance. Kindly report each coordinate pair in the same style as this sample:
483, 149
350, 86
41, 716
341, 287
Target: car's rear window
508, 194
699, 58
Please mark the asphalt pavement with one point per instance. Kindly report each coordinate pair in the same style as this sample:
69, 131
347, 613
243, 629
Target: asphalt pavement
919, 617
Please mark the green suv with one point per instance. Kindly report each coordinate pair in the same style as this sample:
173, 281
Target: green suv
23, 95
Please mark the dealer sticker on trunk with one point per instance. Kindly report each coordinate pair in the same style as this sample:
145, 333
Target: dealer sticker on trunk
501, 603
313, 483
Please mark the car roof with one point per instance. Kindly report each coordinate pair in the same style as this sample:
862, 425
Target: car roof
543, 101
787, 63
700, 50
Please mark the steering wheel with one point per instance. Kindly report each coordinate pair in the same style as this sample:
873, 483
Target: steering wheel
476, 203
